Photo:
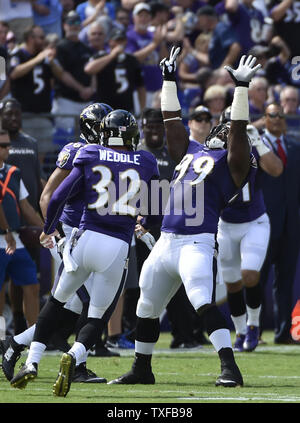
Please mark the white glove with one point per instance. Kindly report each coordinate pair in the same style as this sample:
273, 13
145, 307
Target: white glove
245, 71
148, 239
256, 140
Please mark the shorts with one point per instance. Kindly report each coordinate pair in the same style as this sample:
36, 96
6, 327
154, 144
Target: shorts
19, 266
242, 246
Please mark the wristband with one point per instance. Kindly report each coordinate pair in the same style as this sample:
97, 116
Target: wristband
169, 99
240, 104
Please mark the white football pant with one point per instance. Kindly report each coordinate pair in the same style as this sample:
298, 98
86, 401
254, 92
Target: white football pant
106, 257
242, 246
177, 259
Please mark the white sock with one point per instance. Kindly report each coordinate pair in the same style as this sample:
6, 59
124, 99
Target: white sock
35, 352
253, 316
220, 338
83, 358
26, 337
144, 347
240, 324
79, 351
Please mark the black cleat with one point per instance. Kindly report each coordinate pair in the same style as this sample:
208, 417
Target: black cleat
11, 352
230, 376
65, 375
132, 378
84, 375
27, 373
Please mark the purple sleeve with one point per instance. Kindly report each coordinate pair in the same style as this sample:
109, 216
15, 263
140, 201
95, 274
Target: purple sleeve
69, 187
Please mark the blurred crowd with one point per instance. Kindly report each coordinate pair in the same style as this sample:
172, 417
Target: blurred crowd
62, 55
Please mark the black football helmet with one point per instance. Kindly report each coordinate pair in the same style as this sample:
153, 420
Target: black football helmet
120, 128
217, 138
90, 119
225, 115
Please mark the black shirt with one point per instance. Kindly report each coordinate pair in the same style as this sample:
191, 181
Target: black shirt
73, 56
24, 154
32, 90
118, 80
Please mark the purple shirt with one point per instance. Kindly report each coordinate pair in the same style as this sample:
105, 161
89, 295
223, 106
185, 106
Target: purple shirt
97, 175
249, 202
247, 22
150, 66
72, 211
213, 191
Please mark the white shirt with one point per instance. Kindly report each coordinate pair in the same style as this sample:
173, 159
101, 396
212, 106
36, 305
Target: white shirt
271, 140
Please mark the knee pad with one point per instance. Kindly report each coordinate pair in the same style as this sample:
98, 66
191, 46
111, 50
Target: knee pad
145, 308
199, 292
96, 312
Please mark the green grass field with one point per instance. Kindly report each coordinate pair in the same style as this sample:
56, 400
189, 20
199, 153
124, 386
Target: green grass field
271, 375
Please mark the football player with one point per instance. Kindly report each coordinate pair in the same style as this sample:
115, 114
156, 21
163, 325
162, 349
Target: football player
11, 347
100, 246
243, 237
210, 176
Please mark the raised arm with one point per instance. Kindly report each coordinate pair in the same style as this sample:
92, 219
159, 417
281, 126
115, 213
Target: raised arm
238, 157
53, 182
176, 134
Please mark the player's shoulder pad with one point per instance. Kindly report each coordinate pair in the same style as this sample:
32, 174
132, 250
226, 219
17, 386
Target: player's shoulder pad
67, 154
86, 153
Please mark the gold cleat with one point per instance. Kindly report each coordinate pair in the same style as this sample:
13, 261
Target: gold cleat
65, 375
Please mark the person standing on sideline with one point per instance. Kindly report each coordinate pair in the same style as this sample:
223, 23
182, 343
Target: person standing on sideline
19, 266
281, 197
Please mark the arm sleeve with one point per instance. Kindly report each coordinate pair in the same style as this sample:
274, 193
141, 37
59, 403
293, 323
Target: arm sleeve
69, 187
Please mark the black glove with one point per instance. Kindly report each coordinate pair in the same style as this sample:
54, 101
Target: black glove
243, 74
168, 65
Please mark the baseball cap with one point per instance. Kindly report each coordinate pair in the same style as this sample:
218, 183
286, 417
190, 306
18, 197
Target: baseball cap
206, 11
72, 18
200, 110
139, 7
118, 34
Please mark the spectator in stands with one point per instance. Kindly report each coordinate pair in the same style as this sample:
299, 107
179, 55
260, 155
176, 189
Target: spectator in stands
32, 69
48, 15
18, 266
96, 35
89, 11
281, 197
149, 48
215, 100
245, 20
224, 48
290, 101
18, 15
23, 153
72, 55
4, 81
122, 20
258, 96
118, 74
286, 22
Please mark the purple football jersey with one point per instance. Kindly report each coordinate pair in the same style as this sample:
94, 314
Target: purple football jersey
202, 187
107, 179
72, 212
249, 203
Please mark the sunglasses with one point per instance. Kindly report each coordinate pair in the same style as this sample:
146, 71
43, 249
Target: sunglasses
202, 119
5, 144
274, 115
